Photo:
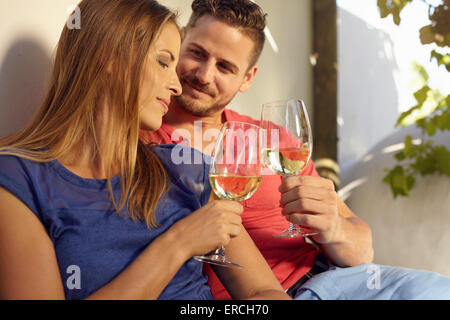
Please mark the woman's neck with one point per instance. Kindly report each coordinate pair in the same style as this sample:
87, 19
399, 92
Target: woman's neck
87, 159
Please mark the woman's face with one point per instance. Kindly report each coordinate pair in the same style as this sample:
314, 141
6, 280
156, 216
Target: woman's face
160, 81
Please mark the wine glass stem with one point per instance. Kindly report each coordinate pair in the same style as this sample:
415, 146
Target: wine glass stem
221, 251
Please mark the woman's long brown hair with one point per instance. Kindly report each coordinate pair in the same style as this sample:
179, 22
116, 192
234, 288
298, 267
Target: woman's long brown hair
103, 58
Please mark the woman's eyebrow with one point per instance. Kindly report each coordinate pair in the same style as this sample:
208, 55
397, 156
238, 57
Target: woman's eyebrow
172, 57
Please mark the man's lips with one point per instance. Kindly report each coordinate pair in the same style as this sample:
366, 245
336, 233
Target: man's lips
196, 89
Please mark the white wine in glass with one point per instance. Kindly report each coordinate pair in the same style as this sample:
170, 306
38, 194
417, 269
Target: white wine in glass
288, 140
235, 171
236, 188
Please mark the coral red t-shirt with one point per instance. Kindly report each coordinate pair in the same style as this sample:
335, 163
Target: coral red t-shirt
289, 258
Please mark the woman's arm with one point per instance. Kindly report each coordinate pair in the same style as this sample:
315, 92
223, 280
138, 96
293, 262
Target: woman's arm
28, 265
202, 231
29, 268
255, 280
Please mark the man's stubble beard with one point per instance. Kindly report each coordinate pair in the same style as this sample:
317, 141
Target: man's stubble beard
191, 106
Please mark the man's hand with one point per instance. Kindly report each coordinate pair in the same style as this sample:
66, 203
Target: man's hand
312, 202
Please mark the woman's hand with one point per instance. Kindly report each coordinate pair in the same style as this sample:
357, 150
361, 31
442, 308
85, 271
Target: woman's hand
208, 228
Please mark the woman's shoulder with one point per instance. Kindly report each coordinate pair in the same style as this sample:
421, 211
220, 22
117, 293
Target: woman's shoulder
180, 155
12, 164
187, 167
20, 176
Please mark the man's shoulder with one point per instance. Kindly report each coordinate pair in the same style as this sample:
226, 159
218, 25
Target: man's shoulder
231, 115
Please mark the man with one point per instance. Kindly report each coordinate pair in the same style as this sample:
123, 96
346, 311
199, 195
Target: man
221, 45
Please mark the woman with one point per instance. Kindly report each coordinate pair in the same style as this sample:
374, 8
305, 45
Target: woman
86, 210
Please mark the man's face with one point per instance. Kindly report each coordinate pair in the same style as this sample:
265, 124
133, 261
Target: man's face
213, 66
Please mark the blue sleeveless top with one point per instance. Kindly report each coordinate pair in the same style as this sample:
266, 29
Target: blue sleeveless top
94, 242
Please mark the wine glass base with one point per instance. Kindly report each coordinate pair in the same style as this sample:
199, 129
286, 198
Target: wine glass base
295, 232
217, 260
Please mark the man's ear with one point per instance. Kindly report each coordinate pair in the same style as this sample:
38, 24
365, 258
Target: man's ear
248, 79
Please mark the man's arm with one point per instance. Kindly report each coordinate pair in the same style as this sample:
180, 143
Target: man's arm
312, 202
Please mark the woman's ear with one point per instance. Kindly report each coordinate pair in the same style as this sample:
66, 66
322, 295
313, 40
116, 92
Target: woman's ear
109, 68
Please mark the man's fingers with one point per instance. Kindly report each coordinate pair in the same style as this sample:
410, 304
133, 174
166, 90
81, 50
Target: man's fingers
305, 192
306, 220
307, 206
307, 181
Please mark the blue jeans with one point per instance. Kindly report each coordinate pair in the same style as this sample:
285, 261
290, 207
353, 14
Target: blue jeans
375, 282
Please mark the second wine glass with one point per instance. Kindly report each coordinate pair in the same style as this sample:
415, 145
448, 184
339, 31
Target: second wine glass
288, 140
235, 171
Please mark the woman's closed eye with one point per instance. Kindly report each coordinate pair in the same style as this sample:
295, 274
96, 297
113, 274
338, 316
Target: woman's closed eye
164, 59
163, 64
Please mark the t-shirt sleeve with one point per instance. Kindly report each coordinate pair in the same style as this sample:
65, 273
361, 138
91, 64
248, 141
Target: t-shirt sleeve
188, 168
16, 177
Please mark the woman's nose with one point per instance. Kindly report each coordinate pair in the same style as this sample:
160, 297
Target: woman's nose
175, 86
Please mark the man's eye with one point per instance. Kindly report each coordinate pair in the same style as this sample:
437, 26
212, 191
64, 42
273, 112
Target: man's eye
196, 53
224, 67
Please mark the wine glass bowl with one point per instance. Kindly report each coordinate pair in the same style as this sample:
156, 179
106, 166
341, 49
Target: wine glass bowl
288, 145
235, 171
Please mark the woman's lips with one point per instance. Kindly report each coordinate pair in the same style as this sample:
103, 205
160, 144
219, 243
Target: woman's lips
165, 105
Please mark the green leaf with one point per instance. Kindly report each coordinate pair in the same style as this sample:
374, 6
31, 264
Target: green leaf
408, 144
441, 59
400, 156
394, 7
422, 94
440, 122
443, 121
421, 72
432, 111
427, 34
396, 17
428, 101
430, 127
424, 165
442, 156
400, 183
410, 182
404, 119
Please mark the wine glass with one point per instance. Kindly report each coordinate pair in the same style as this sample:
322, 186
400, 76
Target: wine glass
288, 145
235, 171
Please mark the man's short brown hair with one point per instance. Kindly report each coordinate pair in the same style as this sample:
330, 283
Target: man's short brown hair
245, 15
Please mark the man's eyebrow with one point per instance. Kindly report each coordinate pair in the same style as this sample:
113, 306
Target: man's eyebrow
230, 64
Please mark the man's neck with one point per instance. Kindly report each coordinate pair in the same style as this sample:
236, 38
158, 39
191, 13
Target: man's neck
199, 129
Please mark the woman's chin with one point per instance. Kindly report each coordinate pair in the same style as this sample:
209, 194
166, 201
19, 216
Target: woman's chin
151, 126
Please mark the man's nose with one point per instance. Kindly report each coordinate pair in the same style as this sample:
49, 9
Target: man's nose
205, 73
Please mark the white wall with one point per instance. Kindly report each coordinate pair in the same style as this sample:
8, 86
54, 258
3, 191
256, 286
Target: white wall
288, 72
29, 32
410, 232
